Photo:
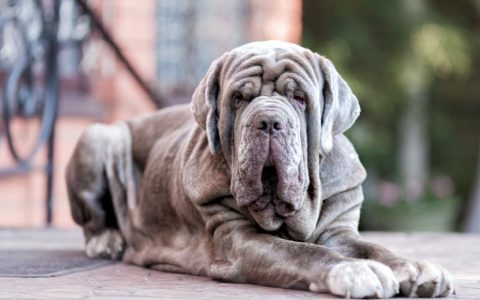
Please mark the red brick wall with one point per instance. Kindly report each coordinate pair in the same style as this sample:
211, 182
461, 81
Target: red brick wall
132, 25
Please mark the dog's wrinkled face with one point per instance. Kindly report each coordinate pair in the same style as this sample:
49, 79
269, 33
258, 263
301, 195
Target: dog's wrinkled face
271, 108
269, 157
268, 144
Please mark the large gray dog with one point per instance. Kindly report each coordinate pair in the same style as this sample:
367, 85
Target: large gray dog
255, 183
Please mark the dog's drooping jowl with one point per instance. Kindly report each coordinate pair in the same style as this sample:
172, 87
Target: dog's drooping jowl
254, 182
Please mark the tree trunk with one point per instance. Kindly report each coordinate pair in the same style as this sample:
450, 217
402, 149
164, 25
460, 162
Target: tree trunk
472, 223
414, 145
413, 155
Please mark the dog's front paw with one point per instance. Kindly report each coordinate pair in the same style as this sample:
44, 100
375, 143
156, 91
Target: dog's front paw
423, 279
360, 279
108, 244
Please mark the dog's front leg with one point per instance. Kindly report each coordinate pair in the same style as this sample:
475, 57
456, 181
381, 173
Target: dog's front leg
417, 278
243, 253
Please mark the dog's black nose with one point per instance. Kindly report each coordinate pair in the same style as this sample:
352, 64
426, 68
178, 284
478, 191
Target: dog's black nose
269, 123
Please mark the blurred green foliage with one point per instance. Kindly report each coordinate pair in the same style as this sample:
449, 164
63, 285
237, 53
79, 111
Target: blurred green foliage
382, 49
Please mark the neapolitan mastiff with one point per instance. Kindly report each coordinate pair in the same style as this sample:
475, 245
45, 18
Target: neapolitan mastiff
257, 185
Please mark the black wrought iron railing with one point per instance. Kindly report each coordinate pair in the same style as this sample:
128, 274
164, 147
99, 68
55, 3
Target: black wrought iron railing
29, 46
30, 89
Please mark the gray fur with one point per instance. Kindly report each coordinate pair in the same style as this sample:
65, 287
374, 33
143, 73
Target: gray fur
258, 185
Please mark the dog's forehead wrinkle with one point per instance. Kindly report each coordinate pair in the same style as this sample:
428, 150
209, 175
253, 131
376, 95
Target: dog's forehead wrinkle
237, 61
300, 63
268, 61
273, 65
255, 59
246, 73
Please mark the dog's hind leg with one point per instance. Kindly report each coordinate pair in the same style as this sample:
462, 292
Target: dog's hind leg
100, 183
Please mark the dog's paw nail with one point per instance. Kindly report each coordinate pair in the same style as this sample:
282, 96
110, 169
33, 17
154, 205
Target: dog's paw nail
413, 292
454, 292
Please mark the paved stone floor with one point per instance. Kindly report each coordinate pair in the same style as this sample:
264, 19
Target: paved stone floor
458, 253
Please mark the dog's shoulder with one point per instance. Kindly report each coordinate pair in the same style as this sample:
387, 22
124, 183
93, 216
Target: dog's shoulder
146, 130
161, 121
206, 176
341, 169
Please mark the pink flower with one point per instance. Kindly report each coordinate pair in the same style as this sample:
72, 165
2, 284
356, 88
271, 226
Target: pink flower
414, 190
387, 193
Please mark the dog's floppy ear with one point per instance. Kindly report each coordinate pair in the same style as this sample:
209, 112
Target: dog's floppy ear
204, 104
340, 106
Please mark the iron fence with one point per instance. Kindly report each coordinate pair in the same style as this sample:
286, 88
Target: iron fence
31, 34
28, 59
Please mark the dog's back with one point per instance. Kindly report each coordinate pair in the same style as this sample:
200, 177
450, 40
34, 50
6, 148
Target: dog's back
146, 130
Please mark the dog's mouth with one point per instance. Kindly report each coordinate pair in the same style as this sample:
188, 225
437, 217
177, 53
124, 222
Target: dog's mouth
269, 196
269, 175
269, 181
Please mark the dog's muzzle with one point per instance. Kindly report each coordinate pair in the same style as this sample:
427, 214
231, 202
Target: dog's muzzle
271, 178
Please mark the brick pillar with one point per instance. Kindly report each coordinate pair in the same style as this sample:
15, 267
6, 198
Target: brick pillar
276, 20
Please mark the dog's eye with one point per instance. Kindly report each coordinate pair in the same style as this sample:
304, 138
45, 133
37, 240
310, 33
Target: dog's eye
300, 100
239, 100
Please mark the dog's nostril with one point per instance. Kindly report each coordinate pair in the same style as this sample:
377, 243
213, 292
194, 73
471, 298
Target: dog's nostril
269, 124
263, 125
277, 125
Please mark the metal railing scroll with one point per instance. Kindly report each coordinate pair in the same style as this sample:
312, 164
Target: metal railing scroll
32, 33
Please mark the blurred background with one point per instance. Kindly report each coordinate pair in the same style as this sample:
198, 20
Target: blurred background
412, 63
